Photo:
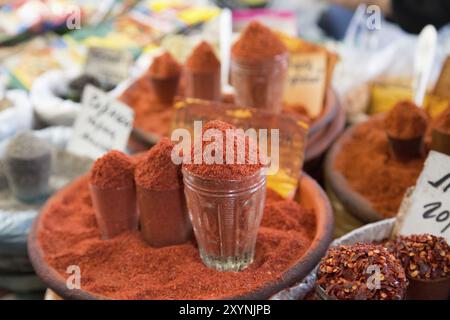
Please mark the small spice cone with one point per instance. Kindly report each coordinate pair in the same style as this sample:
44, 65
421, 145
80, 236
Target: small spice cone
165, 88
419, 289
115, 210
440, 141
405, 149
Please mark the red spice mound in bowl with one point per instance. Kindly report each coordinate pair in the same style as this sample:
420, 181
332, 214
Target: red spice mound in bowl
367, 165
442, 121
225, 170
256, 43
423, 256
126, 268
406, 121
113, 170
344, 273
156, 171
203, 59
164, 66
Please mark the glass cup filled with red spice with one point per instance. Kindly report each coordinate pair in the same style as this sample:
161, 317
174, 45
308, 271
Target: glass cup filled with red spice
259, 64
113, 194
164, 75
226, 204
202, 74
163, 216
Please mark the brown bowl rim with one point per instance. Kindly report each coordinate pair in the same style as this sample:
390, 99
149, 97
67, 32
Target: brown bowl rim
292, 275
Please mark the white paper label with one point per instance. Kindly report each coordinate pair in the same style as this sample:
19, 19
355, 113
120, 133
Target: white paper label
110, 66
429, 208
102, 124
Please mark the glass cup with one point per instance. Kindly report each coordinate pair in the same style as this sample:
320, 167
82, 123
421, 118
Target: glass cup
165, 88
203, 85
163, 216
115, 210
226, 215
28, 178
260, 85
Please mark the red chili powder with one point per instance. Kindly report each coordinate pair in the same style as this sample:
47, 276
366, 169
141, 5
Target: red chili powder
406, 121
113, 170
203, 59
156, 171
257, 42
366, 163
165, 66
442, 121
126, 268
224, 171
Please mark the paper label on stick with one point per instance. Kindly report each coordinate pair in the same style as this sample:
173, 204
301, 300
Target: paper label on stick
102, 124
110, 66
306, 81
442, 87
428, 210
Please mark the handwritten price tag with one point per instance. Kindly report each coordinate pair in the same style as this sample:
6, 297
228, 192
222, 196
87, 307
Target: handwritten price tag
102, 124
428, 210
306, 81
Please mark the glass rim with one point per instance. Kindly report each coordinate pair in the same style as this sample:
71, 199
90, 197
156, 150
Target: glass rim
259, 172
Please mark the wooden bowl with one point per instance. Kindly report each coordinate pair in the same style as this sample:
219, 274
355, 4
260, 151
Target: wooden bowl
310, 196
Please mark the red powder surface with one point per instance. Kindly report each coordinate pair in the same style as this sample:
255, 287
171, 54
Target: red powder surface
203, 59
256, 43
442, 121
406, 121
233, 171
367, 164
113, 170
165, 66
156, 171
126, 268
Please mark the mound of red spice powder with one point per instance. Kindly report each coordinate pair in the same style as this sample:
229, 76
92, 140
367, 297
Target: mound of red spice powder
257, 42
156, 171
165, 66
127, 268
203, 59
226, 171
442, 121
406, 121
113, 170
366, 163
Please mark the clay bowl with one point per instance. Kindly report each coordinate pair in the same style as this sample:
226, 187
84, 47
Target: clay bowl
319, 143
322, 132
310, 196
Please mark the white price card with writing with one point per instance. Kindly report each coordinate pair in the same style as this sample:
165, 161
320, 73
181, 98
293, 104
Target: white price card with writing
102, 124
428, 209
110, 66
306, 81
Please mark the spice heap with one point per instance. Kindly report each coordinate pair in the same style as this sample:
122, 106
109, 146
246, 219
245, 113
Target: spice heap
257, 43
376, 175
125, 267
113, 170
203, 59
224, 171
423, 256
164, 66
344, 273
405, 121
156, 170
